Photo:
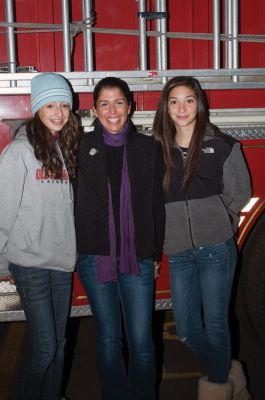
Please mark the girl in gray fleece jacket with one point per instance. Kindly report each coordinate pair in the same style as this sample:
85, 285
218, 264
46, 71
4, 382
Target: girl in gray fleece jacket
37, 235
206, 184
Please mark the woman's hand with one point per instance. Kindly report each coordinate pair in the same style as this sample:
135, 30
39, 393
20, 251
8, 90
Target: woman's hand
157, 266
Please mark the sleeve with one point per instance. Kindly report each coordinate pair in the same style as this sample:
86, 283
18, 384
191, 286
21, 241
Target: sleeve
12, 179
159, 202
236, 183
3, 265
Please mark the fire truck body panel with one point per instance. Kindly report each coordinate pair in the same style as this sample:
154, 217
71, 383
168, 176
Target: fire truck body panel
145, 43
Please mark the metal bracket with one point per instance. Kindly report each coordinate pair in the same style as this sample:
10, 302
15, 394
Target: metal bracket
152, 15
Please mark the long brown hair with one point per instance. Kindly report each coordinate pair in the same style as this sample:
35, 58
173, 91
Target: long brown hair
165, 131
42, 142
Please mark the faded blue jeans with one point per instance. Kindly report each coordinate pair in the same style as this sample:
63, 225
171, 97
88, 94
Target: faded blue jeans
133, 294
201, 280
45, 296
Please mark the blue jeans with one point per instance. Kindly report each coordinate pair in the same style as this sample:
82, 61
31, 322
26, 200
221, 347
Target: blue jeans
201, 281
134, 295
45, 295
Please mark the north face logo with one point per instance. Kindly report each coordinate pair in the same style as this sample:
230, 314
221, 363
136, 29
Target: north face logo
208, 150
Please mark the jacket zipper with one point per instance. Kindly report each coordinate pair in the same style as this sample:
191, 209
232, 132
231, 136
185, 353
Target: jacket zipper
187, 205
188, 212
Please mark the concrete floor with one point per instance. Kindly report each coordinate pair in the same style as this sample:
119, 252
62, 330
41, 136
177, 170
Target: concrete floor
178, 368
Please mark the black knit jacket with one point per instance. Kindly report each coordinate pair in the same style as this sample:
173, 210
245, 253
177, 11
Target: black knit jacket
91, 210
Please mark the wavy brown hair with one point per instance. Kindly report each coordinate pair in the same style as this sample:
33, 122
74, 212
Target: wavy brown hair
45, 151
165, 131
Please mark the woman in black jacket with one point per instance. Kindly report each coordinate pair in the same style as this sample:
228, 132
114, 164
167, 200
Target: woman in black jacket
206, 184
120, 230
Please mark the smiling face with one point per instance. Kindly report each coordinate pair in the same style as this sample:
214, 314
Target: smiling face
54, 116
183, 107
112, 109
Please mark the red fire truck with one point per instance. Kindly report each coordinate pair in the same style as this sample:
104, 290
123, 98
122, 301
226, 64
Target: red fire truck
146, 42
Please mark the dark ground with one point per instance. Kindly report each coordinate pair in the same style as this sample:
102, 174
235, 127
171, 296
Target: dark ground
178, 368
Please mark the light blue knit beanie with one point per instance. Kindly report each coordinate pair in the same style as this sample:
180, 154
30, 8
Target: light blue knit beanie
48, 88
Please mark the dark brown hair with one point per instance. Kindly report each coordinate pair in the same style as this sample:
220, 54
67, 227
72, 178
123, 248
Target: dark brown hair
43, 142
165, 131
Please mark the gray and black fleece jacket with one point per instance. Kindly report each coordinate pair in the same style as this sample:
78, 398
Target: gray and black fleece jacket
207, 211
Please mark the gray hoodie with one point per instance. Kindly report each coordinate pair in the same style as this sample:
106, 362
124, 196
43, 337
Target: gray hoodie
36, 212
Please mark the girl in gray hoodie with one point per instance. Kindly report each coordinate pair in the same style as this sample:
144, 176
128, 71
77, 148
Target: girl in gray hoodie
37, 235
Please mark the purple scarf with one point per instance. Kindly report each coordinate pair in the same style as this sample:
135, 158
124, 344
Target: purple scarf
106, 265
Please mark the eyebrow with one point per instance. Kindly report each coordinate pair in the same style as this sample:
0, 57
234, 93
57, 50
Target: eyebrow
103, 101
186, 97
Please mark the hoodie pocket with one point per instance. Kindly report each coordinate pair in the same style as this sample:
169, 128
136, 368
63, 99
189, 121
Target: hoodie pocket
25, 230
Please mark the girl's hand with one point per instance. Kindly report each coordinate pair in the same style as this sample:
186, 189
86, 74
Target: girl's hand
157, 266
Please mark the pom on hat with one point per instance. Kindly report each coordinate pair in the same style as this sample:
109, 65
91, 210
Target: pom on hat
48, 88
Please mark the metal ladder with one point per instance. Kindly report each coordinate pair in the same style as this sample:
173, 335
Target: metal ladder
144, 79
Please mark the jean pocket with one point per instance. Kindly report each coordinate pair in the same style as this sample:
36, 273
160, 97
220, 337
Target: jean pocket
85, 259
